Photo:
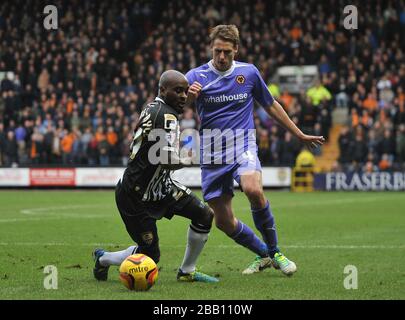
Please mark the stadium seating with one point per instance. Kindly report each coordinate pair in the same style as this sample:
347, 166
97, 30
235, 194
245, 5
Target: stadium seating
72, 96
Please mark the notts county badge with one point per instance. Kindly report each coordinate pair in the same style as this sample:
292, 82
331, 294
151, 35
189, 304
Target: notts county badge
240, 79
147, 237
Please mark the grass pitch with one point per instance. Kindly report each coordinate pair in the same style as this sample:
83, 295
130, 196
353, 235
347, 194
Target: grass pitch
321, 232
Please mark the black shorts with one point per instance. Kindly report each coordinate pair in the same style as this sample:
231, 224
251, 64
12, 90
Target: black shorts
140, 217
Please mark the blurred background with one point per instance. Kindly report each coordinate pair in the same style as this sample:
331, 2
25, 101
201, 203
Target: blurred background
72, 96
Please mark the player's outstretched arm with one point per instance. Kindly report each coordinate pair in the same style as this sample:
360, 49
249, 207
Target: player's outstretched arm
277, 112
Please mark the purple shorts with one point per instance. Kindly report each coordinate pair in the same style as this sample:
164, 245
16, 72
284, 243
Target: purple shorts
217, 180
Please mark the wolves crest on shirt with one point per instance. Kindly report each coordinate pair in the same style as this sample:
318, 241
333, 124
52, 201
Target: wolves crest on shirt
240, 79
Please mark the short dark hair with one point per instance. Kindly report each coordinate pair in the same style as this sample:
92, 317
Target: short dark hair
225, 32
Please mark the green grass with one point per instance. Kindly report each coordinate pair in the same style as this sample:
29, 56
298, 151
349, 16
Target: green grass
321, 232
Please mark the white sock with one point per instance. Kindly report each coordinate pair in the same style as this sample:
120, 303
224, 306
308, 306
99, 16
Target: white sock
116, 258
195, 244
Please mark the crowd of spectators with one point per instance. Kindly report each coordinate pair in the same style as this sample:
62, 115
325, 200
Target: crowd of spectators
73, 96
374, 137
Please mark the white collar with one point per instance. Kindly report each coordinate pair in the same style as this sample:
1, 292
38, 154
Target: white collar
221, 73
160, 99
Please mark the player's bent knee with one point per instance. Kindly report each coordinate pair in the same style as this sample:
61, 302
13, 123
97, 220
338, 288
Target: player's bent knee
204, 220
208, 216
254, 194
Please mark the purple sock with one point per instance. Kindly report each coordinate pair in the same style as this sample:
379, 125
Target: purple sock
264, 222
246, 237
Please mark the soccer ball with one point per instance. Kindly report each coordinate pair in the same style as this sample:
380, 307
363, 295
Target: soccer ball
138, 272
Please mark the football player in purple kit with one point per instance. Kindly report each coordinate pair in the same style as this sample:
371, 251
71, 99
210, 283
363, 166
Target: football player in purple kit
223, 91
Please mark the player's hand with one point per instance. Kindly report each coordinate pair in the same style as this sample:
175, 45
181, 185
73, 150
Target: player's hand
312, 141
193, 92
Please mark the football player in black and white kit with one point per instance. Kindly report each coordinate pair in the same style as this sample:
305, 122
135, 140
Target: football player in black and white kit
147, 193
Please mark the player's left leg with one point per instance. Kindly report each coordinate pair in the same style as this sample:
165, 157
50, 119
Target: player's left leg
103, 259
251, 183
201, 216
141, 228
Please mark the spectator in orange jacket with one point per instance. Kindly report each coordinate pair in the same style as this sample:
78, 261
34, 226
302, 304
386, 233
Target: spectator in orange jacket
67, 146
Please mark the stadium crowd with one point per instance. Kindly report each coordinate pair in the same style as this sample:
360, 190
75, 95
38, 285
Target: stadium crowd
72, 96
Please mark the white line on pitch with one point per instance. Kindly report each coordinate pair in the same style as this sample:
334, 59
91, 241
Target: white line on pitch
293, 203
59, 217
56, 209
220, 246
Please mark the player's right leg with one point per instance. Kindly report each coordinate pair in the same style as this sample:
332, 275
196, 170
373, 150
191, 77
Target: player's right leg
240, 233
201, 216
217, 188
251, 183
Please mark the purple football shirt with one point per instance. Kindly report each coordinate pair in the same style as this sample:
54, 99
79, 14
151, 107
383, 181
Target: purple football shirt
226, 103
